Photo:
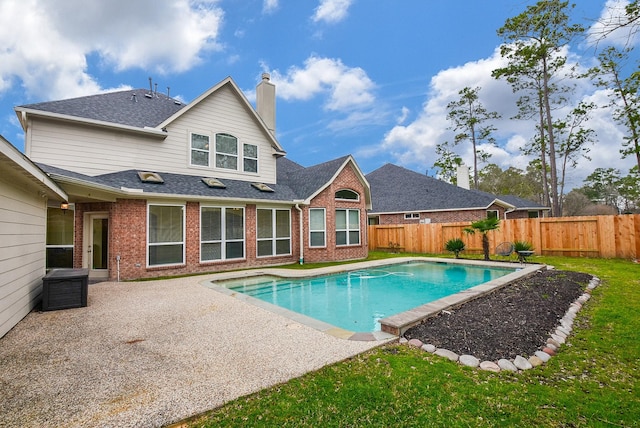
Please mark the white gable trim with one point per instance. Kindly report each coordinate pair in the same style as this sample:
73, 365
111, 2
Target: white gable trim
279, 151
363, 180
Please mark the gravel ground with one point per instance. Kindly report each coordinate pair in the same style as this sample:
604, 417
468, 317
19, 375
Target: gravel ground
147, 354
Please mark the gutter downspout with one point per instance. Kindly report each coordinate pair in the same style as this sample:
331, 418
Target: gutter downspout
300, 235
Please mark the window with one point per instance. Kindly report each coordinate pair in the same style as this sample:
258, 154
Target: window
410, 216
221, 233
533, 214
274, 232
59, 247
199, 150
166, 235
348, 195
250, 158
492, 214
347, 227
317, 229
226, 151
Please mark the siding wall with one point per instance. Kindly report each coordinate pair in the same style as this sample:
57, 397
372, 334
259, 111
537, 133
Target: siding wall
93, 151
22, 250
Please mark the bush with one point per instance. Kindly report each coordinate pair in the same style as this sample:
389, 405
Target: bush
455, 246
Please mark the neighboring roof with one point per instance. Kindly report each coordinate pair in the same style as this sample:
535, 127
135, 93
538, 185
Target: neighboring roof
19, 169
395, 189
522, 204
295, 183
132, 107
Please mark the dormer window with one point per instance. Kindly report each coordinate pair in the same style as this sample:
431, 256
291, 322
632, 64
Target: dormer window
347, 195
226, 151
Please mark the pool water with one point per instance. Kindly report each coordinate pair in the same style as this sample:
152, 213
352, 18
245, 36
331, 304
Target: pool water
357, 300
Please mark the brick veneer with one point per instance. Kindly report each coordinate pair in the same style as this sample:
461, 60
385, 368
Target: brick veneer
441, 216
128, 234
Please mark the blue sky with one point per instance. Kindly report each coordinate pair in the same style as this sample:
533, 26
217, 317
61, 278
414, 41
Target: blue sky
361, 77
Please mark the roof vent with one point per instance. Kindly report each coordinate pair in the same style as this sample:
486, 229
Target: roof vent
176, 102
213, 183
262, 187
150, 177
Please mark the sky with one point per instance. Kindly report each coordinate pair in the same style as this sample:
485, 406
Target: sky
366, 78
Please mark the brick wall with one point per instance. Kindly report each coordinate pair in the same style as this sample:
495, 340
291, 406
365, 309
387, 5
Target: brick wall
128, 235
441, 216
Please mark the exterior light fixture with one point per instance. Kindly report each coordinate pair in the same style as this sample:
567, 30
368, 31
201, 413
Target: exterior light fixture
64, 207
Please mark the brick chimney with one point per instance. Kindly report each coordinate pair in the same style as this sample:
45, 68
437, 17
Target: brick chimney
266, 102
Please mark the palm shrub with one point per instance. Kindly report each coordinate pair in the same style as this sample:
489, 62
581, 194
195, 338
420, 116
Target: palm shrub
522, 246
455, 245
484, 226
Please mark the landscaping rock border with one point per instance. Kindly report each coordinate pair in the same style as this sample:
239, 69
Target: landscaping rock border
519, 363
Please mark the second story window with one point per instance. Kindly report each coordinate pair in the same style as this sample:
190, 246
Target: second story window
199, 150
226, 151
250, 158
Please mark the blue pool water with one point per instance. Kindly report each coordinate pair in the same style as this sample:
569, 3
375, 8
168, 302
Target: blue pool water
357, 300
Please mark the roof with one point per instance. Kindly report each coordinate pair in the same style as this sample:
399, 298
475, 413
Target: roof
138, 108
295, 183
522, 204
395, 189
19, 169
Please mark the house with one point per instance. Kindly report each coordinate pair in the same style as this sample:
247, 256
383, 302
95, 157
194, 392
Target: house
157, 187
402, 196
25, 191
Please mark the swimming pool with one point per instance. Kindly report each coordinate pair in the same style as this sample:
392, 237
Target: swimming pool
357, 300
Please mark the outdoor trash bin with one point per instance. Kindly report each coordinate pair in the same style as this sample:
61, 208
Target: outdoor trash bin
64, 288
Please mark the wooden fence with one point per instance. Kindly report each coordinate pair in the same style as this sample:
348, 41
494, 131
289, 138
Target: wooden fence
593, 236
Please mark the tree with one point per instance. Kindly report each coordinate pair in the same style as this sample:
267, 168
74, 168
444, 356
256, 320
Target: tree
573, 140
447, 164
533, 43
601, 186
630, 20
623, 95
576, 203
512, 181
629, 190
484, 226
470, 121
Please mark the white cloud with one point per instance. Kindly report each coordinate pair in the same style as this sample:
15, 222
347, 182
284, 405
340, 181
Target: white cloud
413, 144
46, 44
612, 15
347, 87
332, 11
270, 6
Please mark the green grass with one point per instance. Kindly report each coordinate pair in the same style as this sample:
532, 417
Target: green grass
594, 381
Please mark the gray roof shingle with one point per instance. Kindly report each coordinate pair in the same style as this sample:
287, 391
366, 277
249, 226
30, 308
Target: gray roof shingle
397, 189
131, 107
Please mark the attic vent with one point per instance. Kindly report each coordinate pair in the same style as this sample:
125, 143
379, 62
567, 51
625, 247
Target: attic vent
150, 177
262, 187
214, 183
147, 95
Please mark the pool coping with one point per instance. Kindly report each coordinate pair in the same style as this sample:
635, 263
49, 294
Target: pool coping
391, 327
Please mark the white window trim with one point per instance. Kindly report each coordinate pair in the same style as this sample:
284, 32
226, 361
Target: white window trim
494, 211
357, 199
257, 159
191, 149
223, 239
347, 230
273, 239
412, 216
324, 230
184, 234
238, 154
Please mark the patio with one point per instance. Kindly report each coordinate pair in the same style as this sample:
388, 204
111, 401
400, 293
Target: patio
151, 353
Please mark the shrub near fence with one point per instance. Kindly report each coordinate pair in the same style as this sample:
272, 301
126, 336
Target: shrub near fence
589, 236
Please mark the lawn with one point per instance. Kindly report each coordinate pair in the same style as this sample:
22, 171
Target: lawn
593, 381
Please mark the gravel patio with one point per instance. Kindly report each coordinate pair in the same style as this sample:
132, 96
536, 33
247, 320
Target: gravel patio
147, 354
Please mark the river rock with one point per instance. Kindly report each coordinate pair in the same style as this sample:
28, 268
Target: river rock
558, 338
415, 342
489, 366
544, 356
447, 354
552, 341
549, 350
505, 364
469, 361
429, 348
522, 363
535, 361
403, 340
564, 330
